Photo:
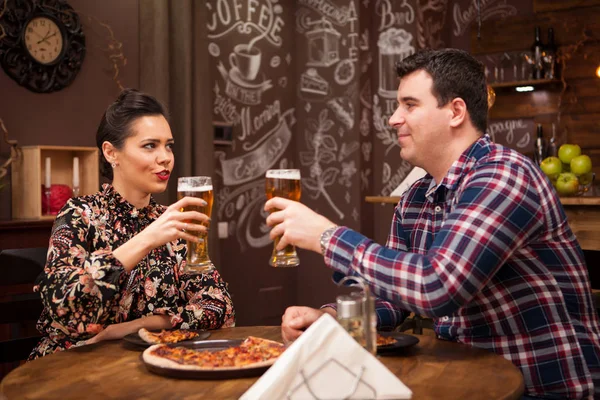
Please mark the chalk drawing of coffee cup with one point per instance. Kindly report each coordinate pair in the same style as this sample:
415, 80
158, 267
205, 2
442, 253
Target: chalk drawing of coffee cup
394, 45
246, 61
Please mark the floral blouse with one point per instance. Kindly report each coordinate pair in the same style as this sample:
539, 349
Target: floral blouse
84, 287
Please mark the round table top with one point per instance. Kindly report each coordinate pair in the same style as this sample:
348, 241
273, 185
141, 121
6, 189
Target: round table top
432, 369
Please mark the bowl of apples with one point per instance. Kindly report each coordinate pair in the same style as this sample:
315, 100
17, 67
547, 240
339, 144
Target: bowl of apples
570, 172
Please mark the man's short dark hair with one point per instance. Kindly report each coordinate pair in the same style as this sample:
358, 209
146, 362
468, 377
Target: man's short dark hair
455, 74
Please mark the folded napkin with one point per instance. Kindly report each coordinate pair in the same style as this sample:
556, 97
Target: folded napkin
327, 363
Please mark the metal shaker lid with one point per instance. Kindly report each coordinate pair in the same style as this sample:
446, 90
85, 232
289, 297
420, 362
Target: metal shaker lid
350, 306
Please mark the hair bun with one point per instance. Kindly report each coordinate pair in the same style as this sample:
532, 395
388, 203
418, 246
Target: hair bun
124, 93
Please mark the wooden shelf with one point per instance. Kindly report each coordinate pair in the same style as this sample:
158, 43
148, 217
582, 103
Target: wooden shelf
566, 201
533, 82
580, 201
28, 171
582, 213
382, 199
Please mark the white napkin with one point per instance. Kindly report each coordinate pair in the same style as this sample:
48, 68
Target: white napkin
326, 345
415, 174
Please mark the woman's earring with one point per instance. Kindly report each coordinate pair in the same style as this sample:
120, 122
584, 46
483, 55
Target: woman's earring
114, 165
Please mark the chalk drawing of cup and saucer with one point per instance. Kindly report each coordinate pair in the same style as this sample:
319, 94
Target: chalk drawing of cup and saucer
245, 65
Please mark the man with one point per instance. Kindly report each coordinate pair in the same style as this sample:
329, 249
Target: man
480, 244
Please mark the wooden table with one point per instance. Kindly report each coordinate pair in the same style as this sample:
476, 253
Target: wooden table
433, 369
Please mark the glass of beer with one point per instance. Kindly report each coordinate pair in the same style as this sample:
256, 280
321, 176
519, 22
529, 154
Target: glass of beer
283, 183
197, 261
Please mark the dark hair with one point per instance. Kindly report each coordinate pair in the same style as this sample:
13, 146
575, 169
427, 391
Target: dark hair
455, 74
118, 117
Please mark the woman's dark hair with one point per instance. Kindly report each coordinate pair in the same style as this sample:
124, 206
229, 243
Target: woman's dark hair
118, 117
455, 73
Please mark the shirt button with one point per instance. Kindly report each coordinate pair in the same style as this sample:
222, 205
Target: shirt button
438, 209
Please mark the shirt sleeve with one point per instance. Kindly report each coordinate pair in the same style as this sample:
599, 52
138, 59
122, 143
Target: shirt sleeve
497, 212
78, 285
206, 302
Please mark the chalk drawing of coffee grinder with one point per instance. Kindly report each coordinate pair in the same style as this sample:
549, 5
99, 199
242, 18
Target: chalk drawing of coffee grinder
323, 44
394, 45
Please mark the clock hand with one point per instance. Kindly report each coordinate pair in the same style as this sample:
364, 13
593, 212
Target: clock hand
37, 34
45, 38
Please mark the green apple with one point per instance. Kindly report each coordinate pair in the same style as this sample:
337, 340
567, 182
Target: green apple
567, 184
552, 166
581, 165
567, 152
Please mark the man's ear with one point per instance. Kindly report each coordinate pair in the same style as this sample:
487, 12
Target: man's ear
109, 151
458, 108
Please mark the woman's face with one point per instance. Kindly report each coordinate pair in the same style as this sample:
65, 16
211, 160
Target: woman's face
145, 161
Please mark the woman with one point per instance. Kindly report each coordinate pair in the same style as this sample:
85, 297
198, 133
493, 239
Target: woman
116, 258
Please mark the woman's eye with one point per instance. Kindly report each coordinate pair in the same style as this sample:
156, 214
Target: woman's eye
149, 146
170, 146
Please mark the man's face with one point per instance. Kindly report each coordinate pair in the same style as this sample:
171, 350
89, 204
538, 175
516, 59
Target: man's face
423, 128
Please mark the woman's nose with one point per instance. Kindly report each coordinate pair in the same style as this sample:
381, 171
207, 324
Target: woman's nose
163, 156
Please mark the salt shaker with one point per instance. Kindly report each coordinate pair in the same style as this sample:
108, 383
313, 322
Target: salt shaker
356, 314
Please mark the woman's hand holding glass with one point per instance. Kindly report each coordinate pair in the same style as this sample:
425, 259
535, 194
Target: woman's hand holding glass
174, 224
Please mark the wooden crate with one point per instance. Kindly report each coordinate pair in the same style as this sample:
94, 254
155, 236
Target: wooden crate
28, 172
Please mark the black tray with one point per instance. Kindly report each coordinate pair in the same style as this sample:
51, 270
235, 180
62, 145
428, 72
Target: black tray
403, 340
135, 339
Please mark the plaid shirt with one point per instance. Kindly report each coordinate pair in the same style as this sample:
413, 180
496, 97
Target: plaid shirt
489, 255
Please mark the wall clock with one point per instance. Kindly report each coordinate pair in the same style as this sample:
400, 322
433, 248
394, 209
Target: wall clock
43, 45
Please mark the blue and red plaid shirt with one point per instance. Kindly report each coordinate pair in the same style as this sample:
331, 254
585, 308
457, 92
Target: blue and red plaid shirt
488, 254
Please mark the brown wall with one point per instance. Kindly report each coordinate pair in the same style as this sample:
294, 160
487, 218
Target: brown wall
71, 116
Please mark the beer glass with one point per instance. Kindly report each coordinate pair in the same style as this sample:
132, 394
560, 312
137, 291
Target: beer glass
283, 183
198, 261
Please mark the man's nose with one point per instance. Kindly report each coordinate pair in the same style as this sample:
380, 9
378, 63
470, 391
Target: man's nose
397, 118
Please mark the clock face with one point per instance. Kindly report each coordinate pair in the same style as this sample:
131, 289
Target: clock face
43, 40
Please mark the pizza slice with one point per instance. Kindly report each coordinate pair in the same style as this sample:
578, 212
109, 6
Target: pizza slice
253, 352
166, 336
385, 340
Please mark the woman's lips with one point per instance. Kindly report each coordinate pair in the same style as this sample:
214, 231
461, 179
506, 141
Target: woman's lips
163, 175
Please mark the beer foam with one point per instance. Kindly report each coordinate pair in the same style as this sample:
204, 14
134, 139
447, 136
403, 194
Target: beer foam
395, 41
189, 188
284, 173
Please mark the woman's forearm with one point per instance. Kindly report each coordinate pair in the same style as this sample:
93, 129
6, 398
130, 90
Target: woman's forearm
118, 331
132, 251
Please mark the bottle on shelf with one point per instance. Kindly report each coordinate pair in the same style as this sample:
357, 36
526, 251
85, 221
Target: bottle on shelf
536, 52
552, 150
539, 146
549, 56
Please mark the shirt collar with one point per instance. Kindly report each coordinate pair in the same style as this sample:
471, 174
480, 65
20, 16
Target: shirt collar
464, 163
125, 207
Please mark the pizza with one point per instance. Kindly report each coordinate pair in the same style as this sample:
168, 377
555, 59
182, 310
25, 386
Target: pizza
385, 340
166, 336
253, 352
